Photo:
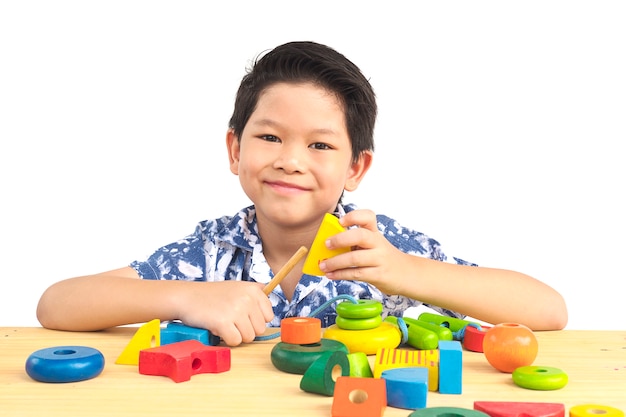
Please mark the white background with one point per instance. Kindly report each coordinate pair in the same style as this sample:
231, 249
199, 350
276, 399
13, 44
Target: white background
501, 131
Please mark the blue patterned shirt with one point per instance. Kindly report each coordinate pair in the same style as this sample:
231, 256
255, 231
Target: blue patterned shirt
230, 248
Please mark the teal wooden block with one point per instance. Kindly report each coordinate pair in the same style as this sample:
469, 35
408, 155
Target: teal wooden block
450, 367
406, 387
178, 332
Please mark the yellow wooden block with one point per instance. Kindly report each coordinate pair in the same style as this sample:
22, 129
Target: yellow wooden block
147, 336
330, 226
404, 358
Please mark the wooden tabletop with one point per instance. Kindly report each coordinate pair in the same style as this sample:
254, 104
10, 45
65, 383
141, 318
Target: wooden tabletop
595, 362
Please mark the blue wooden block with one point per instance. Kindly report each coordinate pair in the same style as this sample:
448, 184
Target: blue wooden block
406, 387
450, 367
178, 332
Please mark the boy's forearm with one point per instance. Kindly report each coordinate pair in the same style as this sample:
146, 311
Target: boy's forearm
487, 294
99, 302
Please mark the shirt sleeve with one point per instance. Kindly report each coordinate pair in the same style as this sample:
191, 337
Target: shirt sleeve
419, 244
181, 260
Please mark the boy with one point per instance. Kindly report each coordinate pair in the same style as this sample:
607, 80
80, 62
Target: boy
301, 133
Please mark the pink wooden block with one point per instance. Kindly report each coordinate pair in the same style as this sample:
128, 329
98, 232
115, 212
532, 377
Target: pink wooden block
181, 360
520, 409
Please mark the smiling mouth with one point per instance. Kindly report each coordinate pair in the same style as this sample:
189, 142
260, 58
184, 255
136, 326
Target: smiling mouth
285, 187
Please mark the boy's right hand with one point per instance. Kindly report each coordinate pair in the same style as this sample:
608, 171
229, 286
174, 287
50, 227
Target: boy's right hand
236, 311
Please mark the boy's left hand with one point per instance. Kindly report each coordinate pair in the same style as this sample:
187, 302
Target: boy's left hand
373, 259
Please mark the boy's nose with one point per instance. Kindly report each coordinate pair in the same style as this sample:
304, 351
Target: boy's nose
290, 159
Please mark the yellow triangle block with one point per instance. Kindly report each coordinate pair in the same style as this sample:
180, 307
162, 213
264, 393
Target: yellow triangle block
147, 336
330, 226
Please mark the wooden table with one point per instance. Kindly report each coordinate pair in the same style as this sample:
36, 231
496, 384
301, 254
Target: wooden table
594, 360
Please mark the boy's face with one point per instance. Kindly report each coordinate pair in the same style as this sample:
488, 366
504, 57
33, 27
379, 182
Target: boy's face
294, 158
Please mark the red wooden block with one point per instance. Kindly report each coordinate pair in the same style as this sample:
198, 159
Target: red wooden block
181, 360
520, 409
473, 339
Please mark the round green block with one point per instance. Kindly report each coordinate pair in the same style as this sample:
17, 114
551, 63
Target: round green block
447, 412
296, 359
543, 378
320, 377
359, 324
363, 309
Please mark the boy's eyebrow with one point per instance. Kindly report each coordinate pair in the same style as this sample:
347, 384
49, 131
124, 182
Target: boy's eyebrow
275, 124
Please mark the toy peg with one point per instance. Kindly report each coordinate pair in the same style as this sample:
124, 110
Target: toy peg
330, 226
418, 337
363, 397
181, 360
452, 323
442, 332
520, 409
291, 263
147, 336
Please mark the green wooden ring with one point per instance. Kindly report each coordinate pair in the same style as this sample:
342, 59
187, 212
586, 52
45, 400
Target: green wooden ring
363, 309
296, 359
359, 324
447, 411
543, 378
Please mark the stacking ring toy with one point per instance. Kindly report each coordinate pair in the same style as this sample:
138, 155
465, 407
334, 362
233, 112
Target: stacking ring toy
65, 364
296, 359
367, 341
591, 410
359, 324
543, 378
363, 309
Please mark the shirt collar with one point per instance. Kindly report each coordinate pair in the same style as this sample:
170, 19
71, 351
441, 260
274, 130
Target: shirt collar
242, 230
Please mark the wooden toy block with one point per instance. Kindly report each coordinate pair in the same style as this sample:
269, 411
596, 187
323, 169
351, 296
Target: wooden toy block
404, 358
450, 367
301, 330
406, 387
330, 226
147, 336
177, 332
181, 360
359, 397
320, 377
447, 412
473, 339
360, 365
520, 409
591, 410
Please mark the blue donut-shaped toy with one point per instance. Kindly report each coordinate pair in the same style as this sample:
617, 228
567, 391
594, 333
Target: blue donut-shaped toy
65, 364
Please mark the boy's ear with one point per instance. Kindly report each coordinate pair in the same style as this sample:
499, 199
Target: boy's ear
358, 170
232, 144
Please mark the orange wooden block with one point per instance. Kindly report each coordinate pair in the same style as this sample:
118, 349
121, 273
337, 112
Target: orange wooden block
359, 397
301, 330
181, 360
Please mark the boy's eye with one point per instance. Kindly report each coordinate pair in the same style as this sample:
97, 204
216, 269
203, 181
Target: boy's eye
270, 138
320, 146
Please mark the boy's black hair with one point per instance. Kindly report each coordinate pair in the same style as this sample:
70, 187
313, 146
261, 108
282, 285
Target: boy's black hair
298, 62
